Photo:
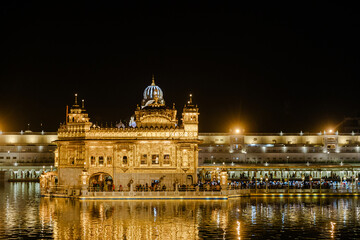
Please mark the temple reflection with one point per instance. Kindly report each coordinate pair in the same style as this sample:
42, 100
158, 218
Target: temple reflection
233, 219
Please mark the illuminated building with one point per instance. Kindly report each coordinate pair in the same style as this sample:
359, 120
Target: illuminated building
324, 154
154, 148
26, 154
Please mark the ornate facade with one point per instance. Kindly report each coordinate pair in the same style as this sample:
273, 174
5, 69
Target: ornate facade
155, 147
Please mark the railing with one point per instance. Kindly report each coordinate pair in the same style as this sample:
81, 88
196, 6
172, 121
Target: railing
310, 191
62, 190
201, 192
169, 193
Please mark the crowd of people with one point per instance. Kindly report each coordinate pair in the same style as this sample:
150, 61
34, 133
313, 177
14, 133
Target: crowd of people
215, 185
325, 184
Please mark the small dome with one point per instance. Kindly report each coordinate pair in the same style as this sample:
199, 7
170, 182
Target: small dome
152, 92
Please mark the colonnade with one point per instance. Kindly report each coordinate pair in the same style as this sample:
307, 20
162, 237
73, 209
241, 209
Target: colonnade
21, 173
280, 174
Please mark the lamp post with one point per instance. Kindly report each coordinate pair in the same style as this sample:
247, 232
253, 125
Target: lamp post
356, 182
352, 183
310, 183
345, 181
288, 181
266, 184
303, 180
255, 184
320, 183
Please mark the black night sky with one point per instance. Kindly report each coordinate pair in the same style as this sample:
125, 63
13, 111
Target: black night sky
269, 67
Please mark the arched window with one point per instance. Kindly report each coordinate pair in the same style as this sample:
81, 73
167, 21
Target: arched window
101, 161
166, 159
92, 161
108, 160
155, 159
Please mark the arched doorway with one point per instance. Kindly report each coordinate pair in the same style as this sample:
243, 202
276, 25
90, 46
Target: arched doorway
189, 180
101, 182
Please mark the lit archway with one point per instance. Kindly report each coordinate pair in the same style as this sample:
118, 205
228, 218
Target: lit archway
101, 181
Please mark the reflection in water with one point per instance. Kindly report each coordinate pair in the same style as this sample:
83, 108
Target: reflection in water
235, 219
26, 215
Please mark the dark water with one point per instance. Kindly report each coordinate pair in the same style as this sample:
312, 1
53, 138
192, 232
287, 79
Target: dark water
24, 215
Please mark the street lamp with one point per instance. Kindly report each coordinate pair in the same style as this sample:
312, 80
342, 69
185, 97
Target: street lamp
266, 184
310, 178
261, 178
303, 180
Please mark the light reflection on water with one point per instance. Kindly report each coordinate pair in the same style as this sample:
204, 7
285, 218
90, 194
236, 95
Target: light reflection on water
26, 215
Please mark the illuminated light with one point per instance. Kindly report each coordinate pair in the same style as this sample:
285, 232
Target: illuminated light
237, 130
332, 231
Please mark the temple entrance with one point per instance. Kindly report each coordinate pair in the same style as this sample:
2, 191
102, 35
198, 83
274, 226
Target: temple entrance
101, 182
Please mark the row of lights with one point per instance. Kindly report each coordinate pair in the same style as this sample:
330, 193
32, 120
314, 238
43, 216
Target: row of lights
330, 131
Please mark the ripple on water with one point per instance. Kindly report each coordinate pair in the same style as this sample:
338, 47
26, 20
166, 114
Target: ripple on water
26, 216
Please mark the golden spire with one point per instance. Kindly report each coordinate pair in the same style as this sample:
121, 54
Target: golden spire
190, 100
153, 80
75, 99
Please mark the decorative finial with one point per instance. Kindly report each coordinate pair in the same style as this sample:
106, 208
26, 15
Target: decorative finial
83, 103
153, 80
190, 100
75, 98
